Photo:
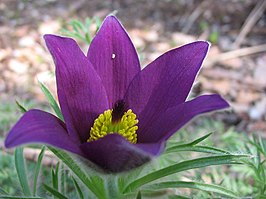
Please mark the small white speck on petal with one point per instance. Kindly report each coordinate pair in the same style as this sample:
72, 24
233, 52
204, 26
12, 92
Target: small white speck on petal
113, 56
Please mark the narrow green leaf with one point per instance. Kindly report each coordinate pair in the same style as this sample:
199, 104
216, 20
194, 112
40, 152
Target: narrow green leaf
74, 166
139, 195
88, 38
77, 25
263, 145
21, 171
88, 22
193, 185
197, 148
80, 194
55, 177
51, 101
183, 166
98, 22
3, 192
72, 34
54, 192
37, 170
146, 194
21, 108
200, 139
19, 197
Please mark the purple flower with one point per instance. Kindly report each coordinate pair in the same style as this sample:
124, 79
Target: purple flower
115, 114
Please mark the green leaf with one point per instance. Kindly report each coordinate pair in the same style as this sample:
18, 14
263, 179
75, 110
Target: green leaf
199, 139
193, 185
55, 177
51, 101
198, 148
139, 195
21, 108
88, 38
183, 166
80, 194
19, 197
54, 192
75, 167
98, 22
263, 145
3, 192
37, 170
192, 146
21, 171
77, 25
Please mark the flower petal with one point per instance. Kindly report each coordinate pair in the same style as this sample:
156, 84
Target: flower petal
39, 126
113, 153
174, 118
166, 82
80, 91
152, 148
114, 58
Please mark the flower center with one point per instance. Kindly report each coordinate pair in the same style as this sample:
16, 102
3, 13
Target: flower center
112, 121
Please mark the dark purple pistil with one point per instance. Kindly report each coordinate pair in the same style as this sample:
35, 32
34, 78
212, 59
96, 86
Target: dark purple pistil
119, 109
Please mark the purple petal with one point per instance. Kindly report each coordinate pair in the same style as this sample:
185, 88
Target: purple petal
43, 127
113, 153
174, 118
152, 148
165, 82
80, 91
114, 58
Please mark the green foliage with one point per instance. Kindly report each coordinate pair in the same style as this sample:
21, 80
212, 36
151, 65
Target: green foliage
83, 31
37, 170
183, 166
54, 192
7, 115
7, 175
194, 185
21, 171
51, 101
78, 189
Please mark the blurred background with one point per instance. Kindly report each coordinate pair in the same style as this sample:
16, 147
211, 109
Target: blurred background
235, 66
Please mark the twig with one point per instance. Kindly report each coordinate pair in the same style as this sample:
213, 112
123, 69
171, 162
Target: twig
218, 73
250, 22
236, 53
195, 14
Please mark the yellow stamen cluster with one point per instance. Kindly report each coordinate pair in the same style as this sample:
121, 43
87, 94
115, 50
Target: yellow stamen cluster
126, 127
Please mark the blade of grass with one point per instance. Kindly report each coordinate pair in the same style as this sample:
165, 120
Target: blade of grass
51, 101
37, 170
139, 195
199, 139
198, 148
79, 192
194, 185
21, 171
74, 166
3, 192
54, 192
21, 108
183, 166
55, 178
